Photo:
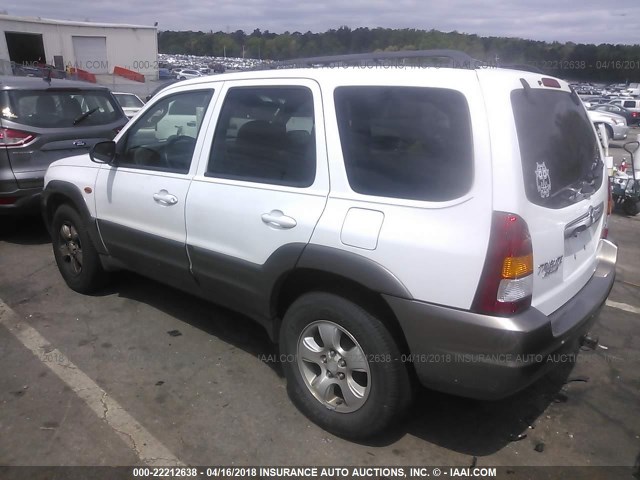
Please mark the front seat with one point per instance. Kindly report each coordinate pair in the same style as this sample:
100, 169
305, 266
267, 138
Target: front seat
71, 108
46, 112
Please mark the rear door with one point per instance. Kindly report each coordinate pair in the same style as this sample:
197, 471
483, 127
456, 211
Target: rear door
261, 187
59, 123
555, 155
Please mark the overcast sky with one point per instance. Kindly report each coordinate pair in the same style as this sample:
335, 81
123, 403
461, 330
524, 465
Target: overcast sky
580, 21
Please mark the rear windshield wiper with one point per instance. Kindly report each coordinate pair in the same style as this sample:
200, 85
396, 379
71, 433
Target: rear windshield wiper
85, 115
577, 191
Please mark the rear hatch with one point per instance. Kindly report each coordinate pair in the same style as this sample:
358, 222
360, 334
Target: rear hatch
41, 126
564, 199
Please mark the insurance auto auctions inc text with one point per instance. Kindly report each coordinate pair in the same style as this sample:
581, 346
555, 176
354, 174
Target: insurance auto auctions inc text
374, 472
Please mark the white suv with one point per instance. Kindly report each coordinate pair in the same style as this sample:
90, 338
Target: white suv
386, 226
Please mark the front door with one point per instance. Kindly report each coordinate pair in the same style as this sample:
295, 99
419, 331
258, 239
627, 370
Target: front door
140, 201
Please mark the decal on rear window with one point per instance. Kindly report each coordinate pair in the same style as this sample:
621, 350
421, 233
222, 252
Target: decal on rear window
543, 180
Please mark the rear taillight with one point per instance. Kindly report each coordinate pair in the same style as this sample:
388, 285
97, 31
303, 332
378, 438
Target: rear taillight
8, 200
506, 285
15, 138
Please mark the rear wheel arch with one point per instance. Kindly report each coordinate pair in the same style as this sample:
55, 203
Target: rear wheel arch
305, 280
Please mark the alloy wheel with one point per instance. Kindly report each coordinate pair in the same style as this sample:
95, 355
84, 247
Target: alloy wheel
333, 366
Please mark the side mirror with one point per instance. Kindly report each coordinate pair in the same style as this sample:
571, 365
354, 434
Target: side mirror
103, 152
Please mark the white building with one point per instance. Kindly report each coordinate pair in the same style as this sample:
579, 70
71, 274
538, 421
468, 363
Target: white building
95, 47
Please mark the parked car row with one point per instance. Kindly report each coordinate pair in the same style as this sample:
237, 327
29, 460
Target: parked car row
212, 64
632, 117
609, 91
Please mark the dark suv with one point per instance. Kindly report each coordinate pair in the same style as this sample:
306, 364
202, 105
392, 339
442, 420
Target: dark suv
42, 121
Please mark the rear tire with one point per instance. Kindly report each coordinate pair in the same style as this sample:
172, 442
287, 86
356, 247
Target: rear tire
75, 254
344, 369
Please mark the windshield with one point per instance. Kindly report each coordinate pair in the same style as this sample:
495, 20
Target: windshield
59, 108
558, 147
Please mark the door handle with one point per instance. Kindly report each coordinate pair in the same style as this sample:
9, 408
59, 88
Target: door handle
165, 198
277, 219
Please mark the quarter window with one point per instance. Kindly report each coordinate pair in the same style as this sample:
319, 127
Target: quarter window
405, 142
164, 137
265, 135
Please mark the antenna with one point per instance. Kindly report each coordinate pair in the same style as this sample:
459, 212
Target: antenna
47, 78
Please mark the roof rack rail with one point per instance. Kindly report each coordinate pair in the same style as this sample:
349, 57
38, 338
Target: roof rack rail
456, 59
523, 67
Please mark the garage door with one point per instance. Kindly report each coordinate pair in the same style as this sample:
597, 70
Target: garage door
91, 54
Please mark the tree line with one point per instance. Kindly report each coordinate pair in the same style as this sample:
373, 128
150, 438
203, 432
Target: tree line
572, 61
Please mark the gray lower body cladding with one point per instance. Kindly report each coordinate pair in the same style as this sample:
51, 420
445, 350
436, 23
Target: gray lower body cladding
485, 357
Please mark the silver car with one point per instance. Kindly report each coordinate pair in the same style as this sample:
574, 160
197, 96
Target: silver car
615, 124
43, 120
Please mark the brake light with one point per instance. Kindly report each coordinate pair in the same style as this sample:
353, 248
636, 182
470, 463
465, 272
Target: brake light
506, 284
15, 138
550, 82
8, 200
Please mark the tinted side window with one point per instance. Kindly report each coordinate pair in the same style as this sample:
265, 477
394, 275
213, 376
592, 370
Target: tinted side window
164, 137
629, 104
558, 148
266, 135
405, 142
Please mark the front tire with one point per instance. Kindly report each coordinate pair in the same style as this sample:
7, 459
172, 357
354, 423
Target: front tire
75, 254
343, 367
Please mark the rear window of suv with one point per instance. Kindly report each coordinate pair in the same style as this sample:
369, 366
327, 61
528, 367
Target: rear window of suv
59, 108
406, 142
558, 148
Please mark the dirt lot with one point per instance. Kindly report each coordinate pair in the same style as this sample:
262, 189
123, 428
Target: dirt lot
143, 374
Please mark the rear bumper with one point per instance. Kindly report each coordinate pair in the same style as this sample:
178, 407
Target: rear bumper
486, 357
17, 201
